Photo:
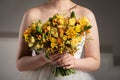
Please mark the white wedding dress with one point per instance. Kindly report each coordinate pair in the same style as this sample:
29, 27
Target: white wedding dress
45, 72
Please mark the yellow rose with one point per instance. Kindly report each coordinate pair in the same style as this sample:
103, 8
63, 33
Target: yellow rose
53, 45
72, 21
54, 32
60, 26
26, 37
30, 44
52, 39
48, 28
84, 21
32, 39
78, 28
59, 16
39, 24
33, 26
75, 41
37, 46
61, 21
71, 32
64, 37
66, 21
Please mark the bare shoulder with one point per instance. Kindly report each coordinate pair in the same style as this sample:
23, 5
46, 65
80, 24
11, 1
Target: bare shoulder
34, 13
30, 15
85, 12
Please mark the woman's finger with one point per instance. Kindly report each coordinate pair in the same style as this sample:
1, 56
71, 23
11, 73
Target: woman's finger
53, 56
68, 67
62, 57
63, 63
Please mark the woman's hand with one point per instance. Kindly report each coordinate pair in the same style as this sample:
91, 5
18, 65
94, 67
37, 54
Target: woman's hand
66, 61
54, 57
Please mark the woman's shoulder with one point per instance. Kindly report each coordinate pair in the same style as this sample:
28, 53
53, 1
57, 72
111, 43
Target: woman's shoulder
83, 11
34, 12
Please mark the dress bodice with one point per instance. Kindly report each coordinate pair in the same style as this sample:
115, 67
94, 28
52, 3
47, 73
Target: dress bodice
80, 48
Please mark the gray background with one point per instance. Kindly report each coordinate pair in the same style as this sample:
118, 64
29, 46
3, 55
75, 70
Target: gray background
107, 14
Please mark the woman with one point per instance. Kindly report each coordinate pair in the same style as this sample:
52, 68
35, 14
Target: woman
38, 67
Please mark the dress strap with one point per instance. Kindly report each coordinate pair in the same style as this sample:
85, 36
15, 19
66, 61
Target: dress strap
72, 8
69, 10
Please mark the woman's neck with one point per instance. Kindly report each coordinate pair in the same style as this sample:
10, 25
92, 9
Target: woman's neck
61, 4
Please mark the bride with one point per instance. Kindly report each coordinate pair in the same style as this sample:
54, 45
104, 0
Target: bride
38, 67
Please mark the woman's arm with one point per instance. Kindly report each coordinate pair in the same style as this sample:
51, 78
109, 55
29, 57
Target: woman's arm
91, 60
25, 61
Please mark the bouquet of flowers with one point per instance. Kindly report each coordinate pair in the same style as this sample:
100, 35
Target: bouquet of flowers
57, 33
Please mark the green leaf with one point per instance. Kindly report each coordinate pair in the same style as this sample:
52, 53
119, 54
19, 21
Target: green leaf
43, 36
72, 14
72, 70
87, 27
60, 71
50, 19
38, 29
47, 55
63, 71
67, 71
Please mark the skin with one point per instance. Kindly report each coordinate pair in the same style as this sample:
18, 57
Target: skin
91, 61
